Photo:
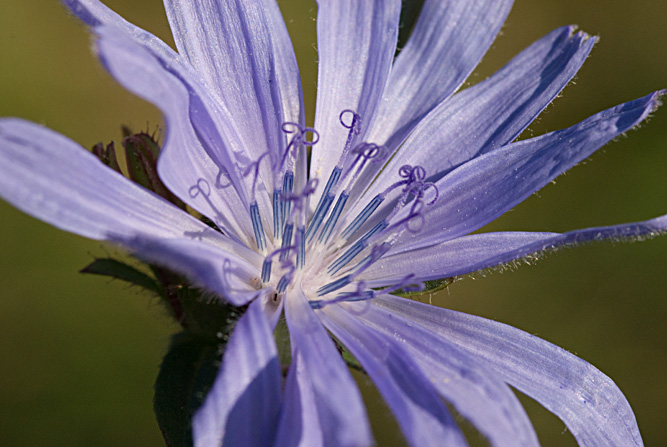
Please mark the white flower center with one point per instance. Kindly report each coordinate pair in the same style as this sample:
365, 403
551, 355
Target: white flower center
324, 252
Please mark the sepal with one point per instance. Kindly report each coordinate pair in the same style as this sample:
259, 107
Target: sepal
107, 155
140, 151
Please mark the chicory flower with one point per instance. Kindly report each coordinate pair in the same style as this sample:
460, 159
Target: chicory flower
382, 195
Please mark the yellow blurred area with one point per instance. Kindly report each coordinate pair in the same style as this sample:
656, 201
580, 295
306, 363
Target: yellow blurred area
78, 355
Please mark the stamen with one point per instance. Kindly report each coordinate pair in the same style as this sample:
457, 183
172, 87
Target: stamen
277, 213
203, 189
363, 216
282, 284
366, 152
254, 166
415, 212
266, 269
330, 190
257, 226
267, 264
406, 284
288, 187
287, 240
354, 126
286, 278
346, 258
301, 244
333, 219
333, 286
323, 206
300, 205
414, 186
281, 203
298, 139
356, 248
410, 175
361, 294
254, 209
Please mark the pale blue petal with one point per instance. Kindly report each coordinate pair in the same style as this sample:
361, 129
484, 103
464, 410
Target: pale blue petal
446, 44
299, 424
242, 408
588, 402
230, 43
54, 179
340, 410
475, 252
356, 42
272, 305
234, 279
422, 416
175, 90
493, 112
209, 118
484, 400
483, 189
289, 82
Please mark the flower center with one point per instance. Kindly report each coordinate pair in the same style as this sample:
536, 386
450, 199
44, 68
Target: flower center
326, 250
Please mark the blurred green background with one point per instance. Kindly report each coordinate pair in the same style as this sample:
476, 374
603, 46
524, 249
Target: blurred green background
78, 355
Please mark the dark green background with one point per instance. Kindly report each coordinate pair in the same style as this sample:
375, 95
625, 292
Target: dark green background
78, 355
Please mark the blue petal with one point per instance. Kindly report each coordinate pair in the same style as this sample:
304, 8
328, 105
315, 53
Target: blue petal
54, 179
484, 400
234, 279
341, 414
356, 43
231, 44
299, 423
287, 69
588, 402
201, 115
446, 44
177, 91
492, 113
475, 252
242, 408
422, 416
289, 82
483, 189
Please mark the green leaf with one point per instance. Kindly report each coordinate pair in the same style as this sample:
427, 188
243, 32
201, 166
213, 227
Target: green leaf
186, 375
119, 270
